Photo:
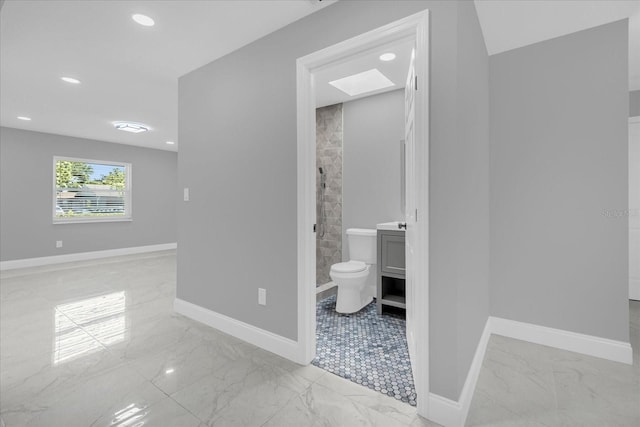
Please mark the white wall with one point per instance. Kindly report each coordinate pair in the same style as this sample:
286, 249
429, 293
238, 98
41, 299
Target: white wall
373, 128
559, 155
26, 196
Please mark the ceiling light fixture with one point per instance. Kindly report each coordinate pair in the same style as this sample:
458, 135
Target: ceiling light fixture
367, 81
387, 57
131, 127
26, 119
170, 142
70, 80
143, 20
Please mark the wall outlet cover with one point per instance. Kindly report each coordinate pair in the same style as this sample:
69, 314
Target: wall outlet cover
262, 296
58, 243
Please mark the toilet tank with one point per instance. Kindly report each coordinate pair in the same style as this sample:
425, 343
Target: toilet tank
362, 245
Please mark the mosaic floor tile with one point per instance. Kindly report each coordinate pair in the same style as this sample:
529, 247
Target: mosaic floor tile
366, 348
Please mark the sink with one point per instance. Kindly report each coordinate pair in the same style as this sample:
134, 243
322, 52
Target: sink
393, 225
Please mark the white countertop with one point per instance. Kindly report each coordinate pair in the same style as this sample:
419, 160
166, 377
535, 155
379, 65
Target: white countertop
393, 225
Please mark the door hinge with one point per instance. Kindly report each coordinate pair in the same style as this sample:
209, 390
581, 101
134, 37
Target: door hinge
416, 77
314, 228
416, 215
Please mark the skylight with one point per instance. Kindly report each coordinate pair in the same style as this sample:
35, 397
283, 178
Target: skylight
367, 81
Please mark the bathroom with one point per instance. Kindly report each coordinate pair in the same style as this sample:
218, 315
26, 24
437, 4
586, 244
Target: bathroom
359, 157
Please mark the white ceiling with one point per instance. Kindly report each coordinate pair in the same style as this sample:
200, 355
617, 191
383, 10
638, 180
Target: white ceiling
129, 72
395, 70
511, 24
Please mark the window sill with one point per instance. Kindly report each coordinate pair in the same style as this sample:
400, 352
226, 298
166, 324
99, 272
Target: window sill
90, 220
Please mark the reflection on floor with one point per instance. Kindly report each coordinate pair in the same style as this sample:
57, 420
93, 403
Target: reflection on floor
96, 343
366, 348
70, 356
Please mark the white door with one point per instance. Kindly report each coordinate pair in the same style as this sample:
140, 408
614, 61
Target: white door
410, 206
634, 209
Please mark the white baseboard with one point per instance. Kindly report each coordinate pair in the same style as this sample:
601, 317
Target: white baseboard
266, 340
82, 256
450, 413
617, 351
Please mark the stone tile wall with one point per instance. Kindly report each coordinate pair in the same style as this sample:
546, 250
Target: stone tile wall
329, 157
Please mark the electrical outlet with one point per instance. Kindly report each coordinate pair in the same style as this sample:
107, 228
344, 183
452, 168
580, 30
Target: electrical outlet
58, 243
262, 296
186, 194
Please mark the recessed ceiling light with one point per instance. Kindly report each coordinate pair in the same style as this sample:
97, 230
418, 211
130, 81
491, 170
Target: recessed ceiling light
364, 82
70, 80
170, 142
24, 118
387, 56
143, 20
131, 127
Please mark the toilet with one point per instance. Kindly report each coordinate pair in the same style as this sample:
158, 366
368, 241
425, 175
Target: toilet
356, 278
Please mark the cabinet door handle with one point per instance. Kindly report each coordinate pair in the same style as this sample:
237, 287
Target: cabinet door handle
402, 225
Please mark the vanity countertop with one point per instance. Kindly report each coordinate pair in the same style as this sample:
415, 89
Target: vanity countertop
393, 225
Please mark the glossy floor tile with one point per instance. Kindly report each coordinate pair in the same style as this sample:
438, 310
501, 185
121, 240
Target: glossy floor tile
97, 343
524, 384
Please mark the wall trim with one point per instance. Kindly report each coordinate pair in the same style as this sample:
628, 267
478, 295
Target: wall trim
83, 256
269, 341
450, 413
617, 351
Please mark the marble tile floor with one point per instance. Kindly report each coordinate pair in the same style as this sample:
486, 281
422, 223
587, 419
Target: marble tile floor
96, 343
524, 384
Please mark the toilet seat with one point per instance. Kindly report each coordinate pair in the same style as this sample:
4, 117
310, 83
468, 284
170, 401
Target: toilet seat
349, 267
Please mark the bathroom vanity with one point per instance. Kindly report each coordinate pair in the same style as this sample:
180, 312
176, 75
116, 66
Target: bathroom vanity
390, 266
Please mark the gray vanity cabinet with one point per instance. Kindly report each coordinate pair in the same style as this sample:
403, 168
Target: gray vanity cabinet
391, 269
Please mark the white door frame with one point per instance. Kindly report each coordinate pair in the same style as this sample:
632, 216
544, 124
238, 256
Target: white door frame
414, 26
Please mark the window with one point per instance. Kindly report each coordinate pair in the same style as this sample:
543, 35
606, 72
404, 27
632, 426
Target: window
91, 190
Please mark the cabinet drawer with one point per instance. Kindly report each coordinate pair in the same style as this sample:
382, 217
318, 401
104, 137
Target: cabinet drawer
392, 248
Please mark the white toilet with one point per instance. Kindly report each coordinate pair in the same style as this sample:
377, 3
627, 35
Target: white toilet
356, 278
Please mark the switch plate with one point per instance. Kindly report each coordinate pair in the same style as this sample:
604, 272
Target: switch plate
186, 194
262, 296
58, 243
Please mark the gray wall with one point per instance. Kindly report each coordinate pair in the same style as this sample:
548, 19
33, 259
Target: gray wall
467, 216
634, 103
26, 185
373, 129
238, 156
558, 165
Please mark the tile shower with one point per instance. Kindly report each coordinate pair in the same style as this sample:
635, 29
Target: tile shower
329, 158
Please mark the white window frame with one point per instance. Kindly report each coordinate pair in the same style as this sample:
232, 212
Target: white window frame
128, 211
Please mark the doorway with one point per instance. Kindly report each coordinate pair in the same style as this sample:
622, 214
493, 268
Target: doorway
416, 28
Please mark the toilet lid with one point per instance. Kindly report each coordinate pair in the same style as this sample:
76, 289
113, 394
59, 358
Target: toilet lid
349, 267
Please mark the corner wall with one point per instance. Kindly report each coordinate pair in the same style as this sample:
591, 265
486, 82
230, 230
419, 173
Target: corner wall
26, 186
559, 254
237, 130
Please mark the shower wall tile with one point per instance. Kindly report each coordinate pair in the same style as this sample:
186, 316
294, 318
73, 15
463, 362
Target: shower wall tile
329, 158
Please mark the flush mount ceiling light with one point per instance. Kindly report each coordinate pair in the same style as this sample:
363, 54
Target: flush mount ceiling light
387, 56
364, 82
170, 142
70, 80
131, 127
25, 118
143, 20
